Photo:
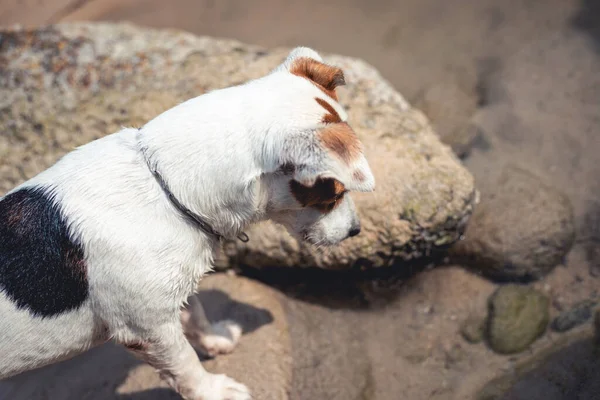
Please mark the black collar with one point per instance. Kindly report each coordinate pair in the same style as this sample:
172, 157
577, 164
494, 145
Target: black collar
194, 218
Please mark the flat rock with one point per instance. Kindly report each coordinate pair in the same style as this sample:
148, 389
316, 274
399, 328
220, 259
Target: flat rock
64, 85
521, 229
518, 315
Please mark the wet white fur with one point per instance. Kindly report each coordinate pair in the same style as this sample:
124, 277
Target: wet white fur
220, 154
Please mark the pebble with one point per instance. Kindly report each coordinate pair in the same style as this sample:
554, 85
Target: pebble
472, 329
575, 316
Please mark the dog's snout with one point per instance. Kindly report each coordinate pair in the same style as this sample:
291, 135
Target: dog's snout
354, 231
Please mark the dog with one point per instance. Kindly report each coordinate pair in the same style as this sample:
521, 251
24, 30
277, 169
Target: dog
111, 242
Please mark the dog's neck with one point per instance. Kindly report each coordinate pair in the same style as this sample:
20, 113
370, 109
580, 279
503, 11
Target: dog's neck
189, 214
201, 223
215, 192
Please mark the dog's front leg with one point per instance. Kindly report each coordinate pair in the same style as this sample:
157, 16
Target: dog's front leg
172, 355
209, 339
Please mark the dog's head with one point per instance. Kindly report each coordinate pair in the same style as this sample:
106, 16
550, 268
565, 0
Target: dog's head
316, 156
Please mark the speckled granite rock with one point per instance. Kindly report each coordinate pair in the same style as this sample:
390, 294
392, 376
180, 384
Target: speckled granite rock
64, 85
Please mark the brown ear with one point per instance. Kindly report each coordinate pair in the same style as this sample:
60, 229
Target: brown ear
325, 76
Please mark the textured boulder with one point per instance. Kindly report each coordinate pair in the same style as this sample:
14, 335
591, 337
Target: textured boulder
62, 86
521, 229
518, 316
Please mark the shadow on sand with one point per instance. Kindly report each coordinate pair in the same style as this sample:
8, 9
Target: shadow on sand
109, 372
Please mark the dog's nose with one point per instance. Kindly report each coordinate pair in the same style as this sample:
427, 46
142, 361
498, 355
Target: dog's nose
354, 231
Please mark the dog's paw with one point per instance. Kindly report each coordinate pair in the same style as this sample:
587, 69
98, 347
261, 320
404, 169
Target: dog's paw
222, 338
222, 387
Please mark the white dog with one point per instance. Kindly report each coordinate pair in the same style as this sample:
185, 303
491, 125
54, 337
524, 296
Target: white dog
109, 243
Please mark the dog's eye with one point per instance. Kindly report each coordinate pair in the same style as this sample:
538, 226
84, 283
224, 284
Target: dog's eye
330, 203
340, 195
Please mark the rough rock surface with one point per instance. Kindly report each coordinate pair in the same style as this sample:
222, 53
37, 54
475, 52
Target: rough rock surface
262, 359
521, 229
518, 316
64, 85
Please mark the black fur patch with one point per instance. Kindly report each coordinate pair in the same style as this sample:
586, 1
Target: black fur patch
42, 268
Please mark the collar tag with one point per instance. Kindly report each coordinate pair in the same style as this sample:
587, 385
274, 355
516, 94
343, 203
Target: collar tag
243, 237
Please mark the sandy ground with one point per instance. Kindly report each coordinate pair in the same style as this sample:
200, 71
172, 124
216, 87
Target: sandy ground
533, 66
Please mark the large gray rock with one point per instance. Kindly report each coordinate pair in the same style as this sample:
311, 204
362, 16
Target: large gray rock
521, 229
65, 85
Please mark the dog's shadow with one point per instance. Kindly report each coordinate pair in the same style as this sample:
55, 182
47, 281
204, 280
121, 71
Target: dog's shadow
110, 372
219, 306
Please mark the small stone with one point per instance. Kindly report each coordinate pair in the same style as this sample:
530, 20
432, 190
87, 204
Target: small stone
573, 317
518, 315
473, 329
